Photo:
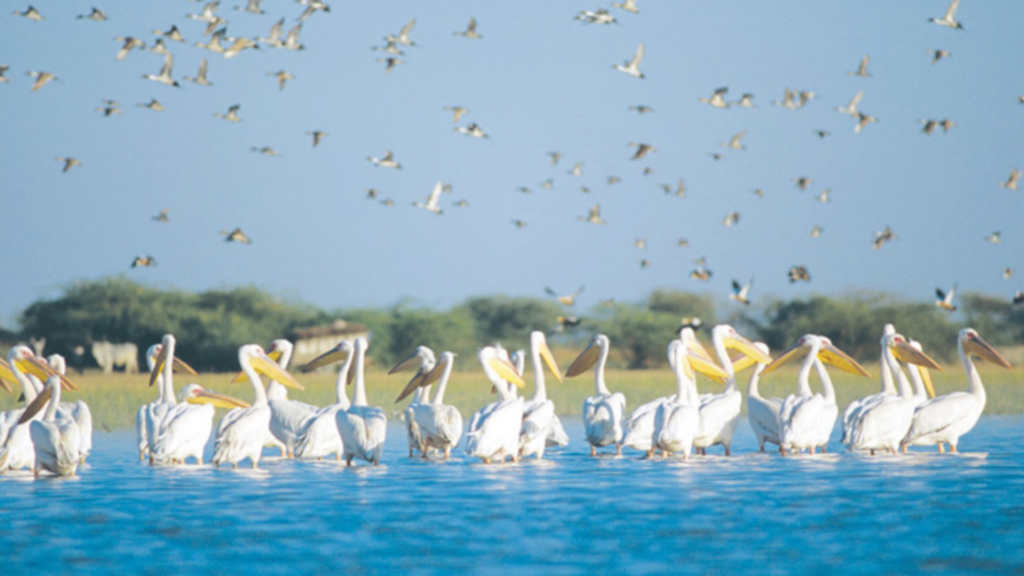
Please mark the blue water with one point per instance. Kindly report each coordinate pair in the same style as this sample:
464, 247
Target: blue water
570, 514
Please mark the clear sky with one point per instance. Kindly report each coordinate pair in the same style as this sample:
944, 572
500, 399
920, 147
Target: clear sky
538, 80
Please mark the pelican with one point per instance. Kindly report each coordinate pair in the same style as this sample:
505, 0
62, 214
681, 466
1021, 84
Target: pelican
632, 67
287, 417
56, 442
362, 427
494, 429
762, 413
855, 408
79, 411
602, 412
424, 360
677, 420
806, 419
178, 428
538, 411
883, 425
946, 418
440, 423
720, 413
17, 450
243, 431
319, 435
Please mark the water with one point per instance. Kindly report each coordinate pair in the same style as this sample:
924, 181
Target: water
567, 515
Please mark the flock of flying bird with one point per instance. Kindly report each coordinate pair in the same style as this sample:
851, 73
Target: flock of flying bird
47, 435
394, 49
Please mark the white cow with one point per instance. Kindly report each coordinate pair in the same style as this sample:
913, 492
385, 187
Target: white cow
108, 355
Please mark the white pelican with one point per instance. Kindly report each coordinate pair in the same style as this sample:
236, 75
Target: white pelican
763, 413
150, 419
494, 430
921, 379
423, 360
720, 413
883, 425
440, 423
853, 411
362, 427
55, 441
78, 410
243, 431
319, 435
186, 428
677, 418
17, 451
946, 418
141, 429
538, 411
603, 412
804, 418
287, 417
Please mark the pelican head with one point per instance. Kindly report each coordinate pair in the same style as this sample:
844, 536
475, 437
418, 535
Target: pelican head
826, 352
905, 352
971, 343
166, 347
337, 354
22, 358
589, 356
497, 368
424, 362
253, 356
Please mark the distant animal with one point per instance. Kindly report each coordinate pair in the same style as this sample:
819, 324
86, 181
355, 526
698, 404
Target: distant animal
949, 18
799, 274
109, 356
945, 299
236, 235
143, 261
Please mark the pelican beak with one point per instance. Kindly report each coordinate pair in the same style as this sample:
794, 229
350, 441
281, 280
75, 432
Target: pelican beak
218, 400
584, 361
182, 367
907, 353
796, 352
420, 379
975, 345
697, 350
7, 379
741, 344
158, 365
507, 372
32, 409
267, 367
37, 368
336, 354
829, 354
926, 377
705, 367
549, 362
411, 362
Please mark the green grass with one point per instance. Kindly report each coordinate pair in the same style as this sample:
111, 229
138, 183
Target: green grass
115, 398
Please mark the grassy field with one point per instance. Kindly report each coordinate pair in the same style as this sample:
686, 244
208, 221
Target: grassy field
114, 399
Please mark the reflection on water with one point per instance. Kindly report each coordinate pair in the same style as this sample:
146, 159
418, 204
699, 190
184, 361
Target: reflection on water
836, 512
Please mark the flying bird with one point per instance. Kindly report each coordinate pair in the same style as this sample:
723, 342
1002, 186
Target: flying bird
109, 108
644, 263
403, 35
266, 150
593, 215
599, 16
802, 182
700, 272
232, 114
565, 322
42, 79
433, 200
799, 274
457, 112
31, 13
735, 142
740, 293
96, 15
236, 235
163, 216
822, 133
717, 99
641, 109
470, 31
153, 104
995, 237
128, 43
311, 7
171, 33
640, 243
200, 77
566, 299
632, 67
816, 231
862, 70
882, 237
1011, 182
949, 19
731, 219
823, 196
390, 63
143, 261
317, 135
291, 40
1018, 297
519, 223
641, 150
282, 76
576, 170
164, 77
851, 108
939, 54
555, 157
627, 5
945, 299
471, 130
69, 163
388, 161
1007, 273
679, 190
862, 121
745, 101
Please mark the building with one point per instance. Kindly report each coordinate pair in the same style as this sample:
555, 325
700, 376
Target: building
313, 341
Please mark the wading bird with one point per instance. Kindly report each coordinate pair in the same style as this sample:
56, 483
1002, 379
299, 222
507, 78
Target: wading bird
494, 429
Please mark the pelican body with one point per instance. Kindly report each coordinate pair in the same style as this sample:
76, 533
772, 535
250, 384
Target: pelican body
494, 430
319, 436
604, 411
538, 412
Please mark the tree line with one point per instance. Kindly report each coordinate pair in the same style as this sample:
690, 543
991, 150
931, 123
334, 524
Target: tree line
211, 325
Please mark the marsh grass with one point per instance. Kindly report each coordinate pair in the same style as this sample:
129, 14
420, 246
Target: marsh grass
114, 399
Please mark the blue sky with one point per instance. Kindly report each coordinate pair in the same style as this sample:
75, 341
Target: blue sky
539, 80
